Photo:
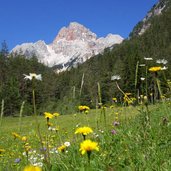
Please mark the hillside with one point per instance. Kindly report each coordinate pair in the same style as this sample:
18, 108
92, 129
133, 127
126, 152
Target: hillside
154, 43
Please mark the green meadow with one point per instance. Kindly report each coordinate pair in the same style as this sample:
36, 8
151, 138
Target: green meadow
128, 138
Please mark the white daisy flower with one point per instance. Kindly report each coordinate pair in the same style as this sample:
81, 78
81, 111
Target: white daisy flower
67, 144
162, 61
164, 68
32, 76
141, 65
148, 59
115, 77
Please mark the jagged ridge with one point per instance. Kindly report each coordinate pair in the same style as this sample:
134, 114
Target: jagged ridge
73, 44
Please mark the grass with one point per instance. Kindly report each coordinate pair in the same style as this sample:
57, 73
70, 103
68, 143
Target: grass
142, 141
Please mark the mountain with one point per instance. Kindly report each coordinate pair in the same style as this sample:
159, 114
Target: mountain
144, 24
73, 44
122, 60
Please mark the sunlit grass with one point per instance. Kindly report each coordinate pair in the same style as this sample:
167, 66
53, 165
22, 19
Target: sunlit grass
131, 145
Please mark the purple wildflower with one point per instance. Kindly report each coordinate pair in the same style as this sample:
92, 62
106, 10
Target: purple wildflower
113, 132
43, 149
116, 123
17, 160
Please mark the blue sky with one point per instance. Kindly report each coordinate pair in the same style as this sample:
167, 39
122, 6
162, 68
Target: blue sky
33, 20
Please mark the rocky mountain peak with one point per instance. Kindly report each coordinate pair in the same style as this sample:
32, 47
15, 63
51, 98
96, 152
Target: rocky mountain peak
74, 44
75, 31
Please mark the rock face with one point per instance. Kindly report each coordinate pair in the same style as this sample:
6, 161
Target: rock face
73, 45
143, 25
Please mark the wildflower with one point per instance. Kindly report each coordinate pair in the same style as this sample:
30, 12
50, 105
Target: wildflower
53, 150
161, 61
101, 131
86, 112
116, 123
145, 100
148, 59
84, 131
24, 138
128, 99
113, 132
16, 135
50, 128
164, 68
49, 124
67, 144
62, 148
56, 114
38, 164
32, 168
43, 149
32, 76
17, 160
83, 108
142, 78
88, 146
155, 69
127, 94
27, 147
141, 65
114, 99
48, 115
115, 77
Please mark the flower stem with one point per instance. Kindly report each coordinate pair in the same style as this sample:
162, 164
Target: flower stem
2, 111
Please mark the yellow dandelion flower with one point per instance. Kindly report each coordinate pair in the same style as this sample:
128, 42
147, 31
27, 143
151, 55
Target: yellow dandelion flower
24, 138
16, 135
56, 114
48, 115
155, 69
114, 99
83, 130
27, 147
32, 168
83, 108
88, 146
62, 148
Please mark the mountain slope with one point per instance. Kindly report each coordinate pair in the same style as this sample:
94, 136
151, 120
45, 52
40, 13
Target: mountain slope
73, 44
154, 43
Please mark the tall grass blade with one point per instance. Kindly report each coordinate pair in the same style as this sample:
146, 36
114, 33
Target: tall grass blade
82, 82
2, 111
21, 114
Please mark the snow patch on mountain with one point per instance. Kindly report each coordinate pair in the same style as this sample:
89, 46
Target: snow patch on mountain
73, 45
